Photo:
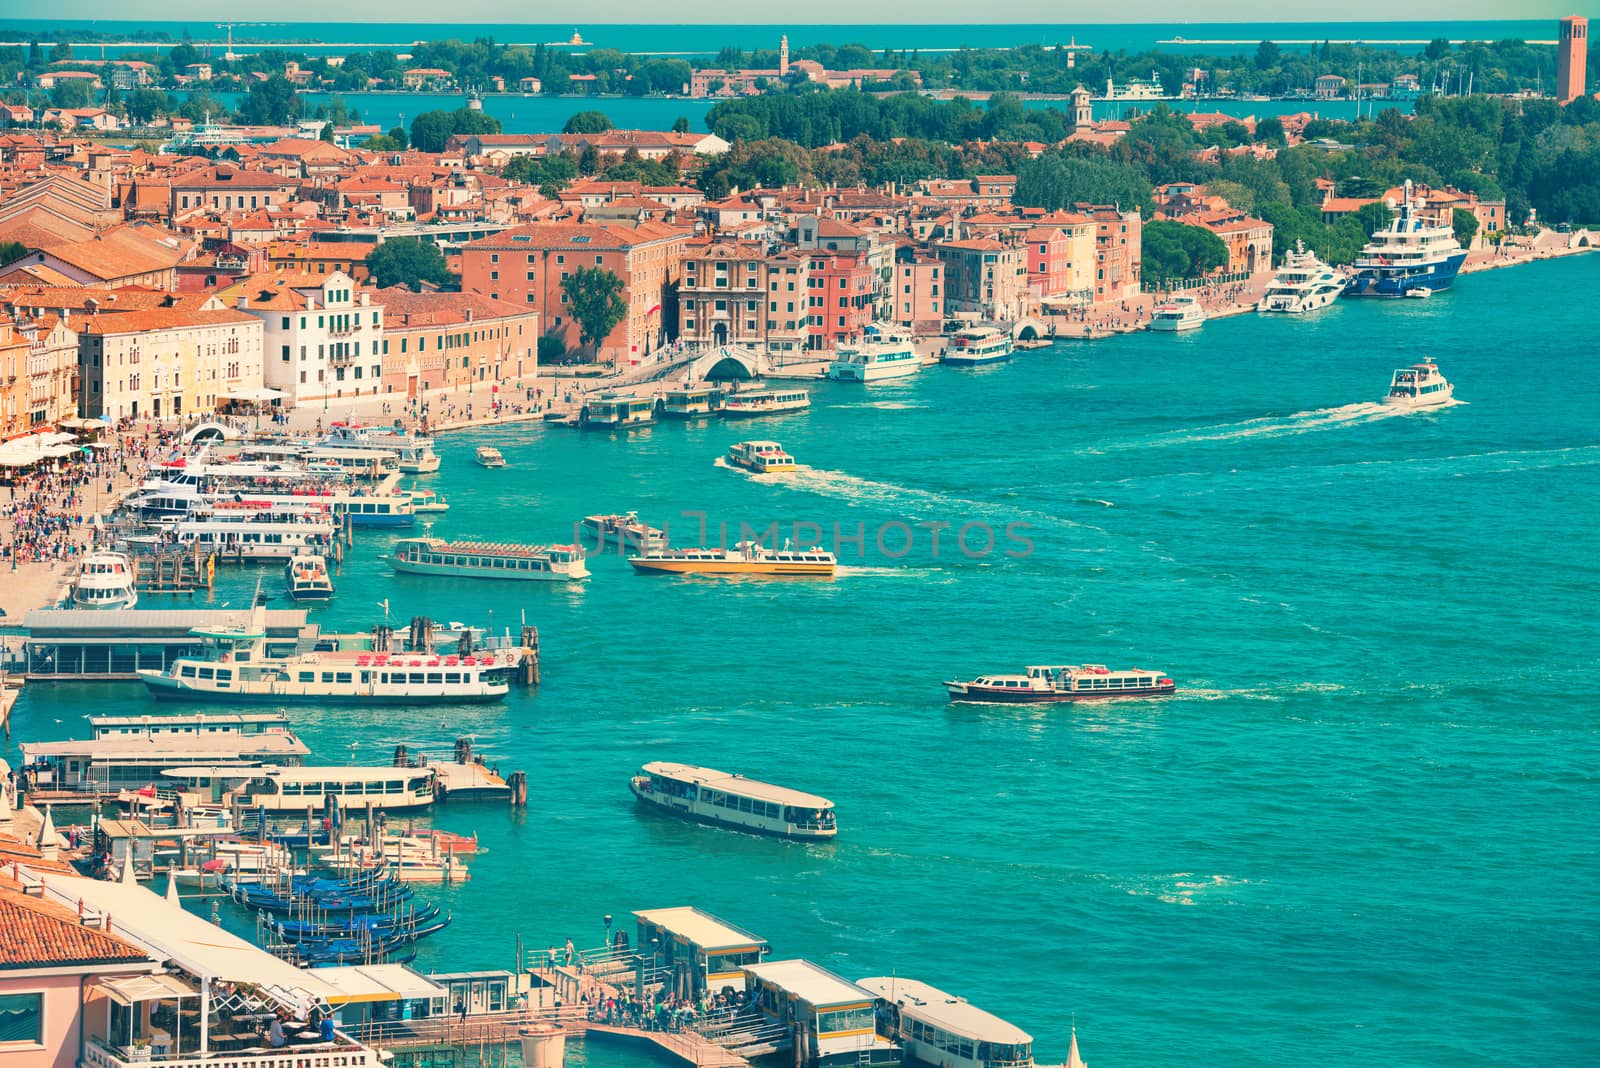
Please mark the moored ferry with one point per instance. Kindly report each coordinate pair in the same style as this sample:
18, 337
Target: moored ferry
881, 357
256, 533
690, 402
977, 346
295, 789
1177, 313
747, 403
105, 581
1406, 255
478, 559
1419, 386
1063, 683
716, 797
237, 669
625, 531
939, 1028
745, 558
762, 457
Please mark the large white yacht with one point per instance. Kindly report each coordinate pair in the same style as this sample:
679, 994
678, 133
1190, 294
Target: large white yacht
1304, 283
883, 355
238, 670
104, 581
1407, 254
1178, 313
1419, 386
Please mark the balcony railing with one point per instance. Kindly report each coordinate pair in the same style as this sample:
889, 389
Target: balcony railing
342, 1053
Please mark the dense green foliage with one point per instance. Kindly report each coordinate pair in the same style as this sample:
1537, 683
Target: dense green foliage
431, 129
594, 299
408, 261
1174, 251
11, 251
588, 122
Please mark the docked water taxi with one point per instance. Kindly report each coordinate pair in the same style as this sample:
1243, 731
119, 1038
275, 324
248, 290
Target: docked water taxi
1419, 386
488, 456
296, 789
104, 581
716, 797
875, 360
625, 531
1063, 683
762, 457
610, 411
1177, 313
977, 346
748, 403
237, 669
479, 559
745, 558
939, 1028
307, 578
255, 533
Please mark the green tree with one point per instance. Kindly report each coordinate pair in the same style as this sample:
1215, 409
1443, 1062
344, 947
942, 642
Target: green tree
145, 104
1268, 55
431, 129
552, 349
1374, 216
680, 124
270, 103
594, 297
399, 136
1175, 252
1269, 131
11, 251
587, 122
1466, 226
327, 132
408, 261
72, 93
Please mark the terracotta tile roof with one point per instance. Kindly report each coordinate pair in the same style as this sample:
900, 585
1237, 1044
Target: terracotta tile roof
403, 308
564, 235
40, 934
153, 319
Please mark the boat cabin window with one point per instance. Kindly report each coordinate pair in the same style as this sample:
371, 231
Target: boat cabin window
840, 1020
208, 673
308, 676
187, 671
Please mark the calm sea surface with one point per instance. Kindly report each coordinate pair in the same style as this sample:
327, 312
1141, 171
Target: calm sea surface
1363, 831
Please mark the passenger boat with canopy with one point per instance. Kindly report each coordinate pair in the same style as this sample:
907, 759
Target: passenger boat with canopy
761, 457
625, 531
749, 403
745, 558
1064, 683
939, 1028
479, 559
716, 797
977, 346
105, 581
1419, 386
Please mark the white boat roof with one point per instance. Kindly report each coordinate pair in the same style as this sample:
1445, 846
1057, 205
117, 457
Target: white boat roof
153, 748
700, 928
947, 1011
810, 982
334, 773
196, 719
736, 784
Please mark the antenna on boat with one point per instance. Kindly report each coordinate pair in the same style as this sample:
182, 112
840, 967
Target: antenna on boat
384, 604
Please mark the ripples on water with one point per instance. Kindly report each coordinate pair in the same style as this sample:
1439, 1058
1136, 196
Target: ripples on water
1363, 828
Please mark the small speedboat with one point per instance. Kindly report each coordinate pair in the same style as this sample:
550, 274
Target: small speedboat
1419, 293
489, 456
1419, 386
307, 578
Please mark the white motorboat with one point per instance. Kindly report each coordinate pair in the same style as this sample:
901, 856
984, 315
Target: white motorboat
1178, 313
307, 578
1419, 386
880, 357
104, 581
489, 456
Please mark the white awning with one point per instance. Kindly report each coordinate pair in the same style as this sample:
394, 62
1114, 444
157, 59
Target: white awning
189, 942
132, 989
246, 393
378, 982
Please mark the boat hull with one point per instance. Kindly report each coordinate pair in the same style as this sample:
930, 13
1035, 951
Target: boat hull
310, 595
683, 811
1369, 283
165, 688
966, 693
761, 469
1310, 303
751, 413
1174, 326
453, 571
974, 361
852, 372
729, 567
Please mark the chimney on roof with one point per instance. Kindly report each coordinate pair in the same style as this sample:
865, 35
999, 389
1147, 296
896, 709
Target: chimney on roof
243, 304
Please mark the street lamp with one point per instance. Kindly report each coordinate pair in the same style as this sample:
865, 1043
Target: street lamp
608, 931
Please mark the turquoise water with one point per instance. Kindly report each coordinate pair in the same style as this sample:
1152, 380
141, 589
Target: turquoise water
1363, 830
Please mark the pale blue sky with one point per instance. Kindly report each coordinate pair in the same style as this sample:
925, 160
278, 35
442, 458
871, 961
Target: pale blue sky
742, 12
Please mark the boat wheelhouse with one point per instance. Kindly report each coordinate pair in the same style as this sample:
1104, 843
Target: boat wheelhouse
745, 558
690, 402
611, 412
831, 1020
705, 954
488, 456
1063, 683
307, 578
750, 403
625, 531
939, 1028
1419, 386
1304, 283
478, 559
875, 360
977, 346
105, 580
762, 457
716, 797
296, 789
1407, 254
1177, 313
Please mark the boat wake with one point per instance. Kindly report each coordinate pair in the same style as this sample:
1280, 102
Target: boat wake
1274, 426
